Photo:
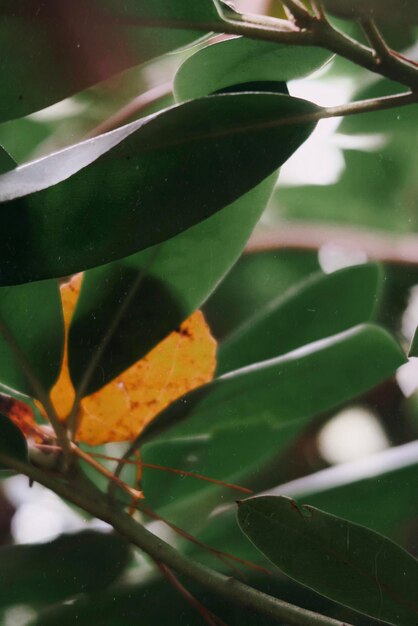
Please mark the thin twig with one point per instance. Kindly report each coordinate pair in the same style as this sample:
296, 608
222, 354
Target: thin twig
172, 470
304, 235
320, 33
223, 556
319, 10
134, 493
84, 494
299, 12
369, 106
207, 615
353, 108
376, 40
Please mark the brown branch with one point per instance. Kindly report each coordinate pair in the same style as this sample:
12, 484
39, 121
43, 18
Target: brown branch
316, 32
376, 40
298, 12
219, 554
319, 10
301, 235
80, 491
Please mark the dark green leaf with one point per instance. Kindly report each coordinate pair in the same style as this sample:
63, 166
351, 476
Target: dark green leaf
6, 161
329, 371
268, 86
235, 452
143, 183
247, 417
31, 319
66, 47
376, 492
342, 561
240, 60
146, 296
254, 281
12, 441
72, 564
318, 307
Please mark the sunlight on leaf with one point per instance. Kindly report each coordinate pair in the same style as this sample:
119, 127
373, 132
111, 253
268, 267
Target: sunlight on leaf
119, 410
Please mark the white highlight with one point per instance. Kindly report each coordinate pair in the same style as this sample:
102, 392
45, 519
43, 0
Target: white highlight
41, 515
335, 256
352, 434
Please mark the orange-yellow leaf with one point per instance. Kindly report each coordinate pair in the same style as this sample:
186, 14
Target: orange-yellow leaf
121, 409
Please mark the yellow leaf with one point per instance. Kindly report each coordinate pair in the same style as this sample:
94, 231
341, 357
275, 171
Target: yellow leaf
119, 411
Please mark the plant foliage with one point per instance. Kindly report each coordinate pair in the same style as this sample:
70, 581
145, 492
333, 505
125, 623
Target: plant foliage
184, 316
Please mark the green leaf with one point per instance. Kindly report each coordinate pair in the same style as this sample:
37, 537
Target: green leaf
269, 86
318, 307
85, 42
246, 418
240, 60
330, 371
12, 441
340, 560
141, 184
375, 492
254, 281
81, 563
6, 161
144, 297
31, 336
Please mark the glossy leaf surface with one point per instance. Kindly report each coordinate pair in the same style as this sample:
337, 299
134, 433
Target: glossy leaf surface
240, 60
255, 281
341, 560
273, 384
375, 492
143, 298
238, 422
318, 307
143, 183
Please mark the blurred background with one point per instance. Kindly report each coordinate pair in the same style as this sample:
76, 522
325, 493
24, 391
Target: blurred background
348, 195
